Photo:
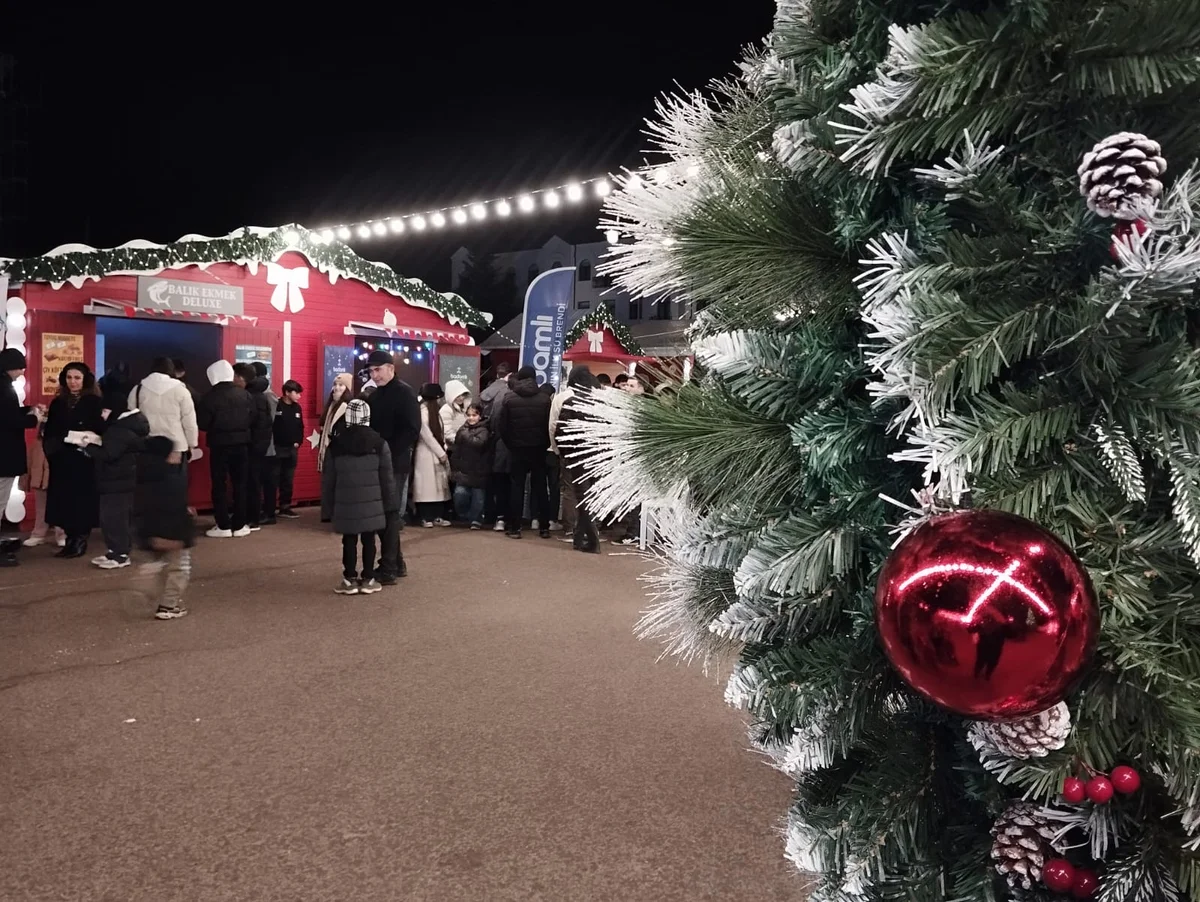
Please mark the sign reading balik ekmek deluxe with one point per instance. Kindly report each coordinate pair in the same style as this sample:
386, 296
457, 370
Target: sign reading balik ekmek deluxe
188, 297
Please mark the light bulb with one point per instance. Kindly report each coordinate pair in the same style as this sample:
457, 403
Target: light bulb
344, 233
552, 199
526, 203
479, 211
574, 193
603, 188
612, 236
379, 228
291, 236
364, 231
327, 234
503, 208
459, 216
418, 223
407, 361
397, 225
438, 220
633, 183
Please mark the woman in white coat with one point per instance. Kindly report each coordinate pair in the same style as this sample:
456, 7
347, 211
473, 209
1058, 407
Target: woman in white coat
431, 466
454, 411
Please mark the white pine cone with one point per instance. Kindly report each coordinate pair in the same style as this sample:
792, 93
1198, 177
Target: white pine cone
1121, 176
1031, 737
1022, 841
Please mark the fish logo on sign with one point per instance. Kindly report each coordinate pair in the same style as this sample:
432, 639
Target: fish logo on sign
158, 292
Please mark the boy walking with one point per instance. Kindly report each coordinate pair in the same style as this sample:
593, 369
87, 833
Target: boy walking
289, 433
164, 526
116, 458
358, 491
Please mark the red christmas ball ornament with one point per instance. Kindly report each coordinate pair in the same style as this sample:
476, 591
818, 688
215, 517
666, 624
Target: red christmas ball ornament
1123, 234
1100, 789
1125, 779
1058, 875
1074, 790
986, 614
1085, 884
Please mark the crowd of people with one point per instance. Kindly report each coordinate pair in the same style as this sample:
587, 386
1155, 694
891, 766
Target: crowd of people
116, 456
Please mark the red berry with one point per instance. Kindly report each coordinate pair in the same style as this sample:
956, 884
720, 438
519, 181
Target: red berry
1058, 875
1126, 780
1085, 884
1100, 790
1074, 790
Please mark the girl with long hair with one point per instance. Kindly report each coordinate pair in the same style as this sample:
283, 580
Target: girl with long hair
72, 498
431, 465
332, 418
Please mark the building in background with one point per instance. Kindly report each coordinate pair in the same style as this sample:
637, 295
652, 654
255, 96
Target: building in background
658, 324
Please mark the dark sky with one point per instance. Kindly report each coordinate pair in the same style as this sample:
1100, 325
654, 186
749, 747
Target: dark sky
192, 120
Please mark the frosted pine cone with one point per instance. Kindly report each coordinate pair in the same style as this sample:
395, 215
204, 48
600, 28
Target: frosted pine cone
1031, 737
1022, 841
1121, 176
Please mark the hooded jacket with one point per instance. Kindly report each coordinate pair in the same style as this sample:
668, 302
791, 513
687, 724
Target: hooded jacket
169, 409
262, 435
524, 418
160, 501
226, 413
116, 456
453, 414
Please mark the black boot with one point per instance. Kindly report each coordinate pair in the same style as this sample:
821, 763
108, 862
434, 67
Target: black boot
76, 547
8, 552
403, 567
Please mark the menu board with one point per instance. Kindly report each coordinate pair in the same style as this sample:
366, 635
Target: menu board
58, 349
253, 354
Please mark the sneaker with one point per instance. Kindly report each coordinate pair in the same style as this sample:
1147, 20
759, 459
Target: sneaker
168, 613
115, 562
555, 526
513, 533
61, 541
218, 533
244, 531
626, 540
255, 528
477, 525
533, 524
544, 533
369, 587
441, 521
347, 587
288, 514
97, 561
567, 537
34, 541
499, 527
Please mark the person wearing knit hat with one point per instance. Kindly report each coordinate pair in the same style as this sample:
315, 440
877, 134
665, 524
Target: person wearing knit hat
396, 416
16, 418
358, 492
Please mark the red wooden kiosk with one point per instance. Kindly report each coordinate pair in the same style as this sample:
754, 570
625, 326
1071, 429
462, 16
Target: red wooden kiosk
603, 342
306, 307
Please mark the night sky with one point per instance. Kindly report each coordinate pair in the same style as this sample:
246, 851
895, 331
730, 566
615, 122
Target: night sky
193, 121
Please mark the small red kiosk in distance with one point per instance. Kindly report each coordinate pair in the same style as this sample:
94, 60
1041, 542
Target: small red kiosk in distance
304, 306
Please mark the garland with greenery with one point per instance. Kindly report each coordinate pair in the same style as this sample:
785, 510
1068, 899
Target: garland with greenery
78, 263
602, 318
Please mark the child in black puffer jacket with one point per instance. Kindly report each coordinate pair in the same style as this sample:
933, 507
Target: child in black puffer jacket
164, 525
358, 490
471, 459
116, 477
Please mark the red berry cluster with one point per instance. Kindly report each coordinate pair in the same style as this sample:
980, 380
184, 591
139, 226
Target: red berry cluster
1100, 787
1059, 874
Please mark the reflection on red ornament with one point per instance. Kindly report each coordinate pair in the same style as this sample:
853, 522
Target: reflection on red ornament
1058, 875
1099, 790
1085, 884
986, 614
1123, 232
1126, 780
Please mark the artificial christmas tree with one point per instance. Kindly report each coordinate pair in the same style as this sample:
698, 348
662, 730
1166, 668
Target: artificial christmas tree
907, 295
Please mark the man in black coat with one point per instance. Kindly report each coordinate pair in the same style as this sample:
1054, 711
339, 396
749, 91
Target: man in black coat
15, 418
396, 416
523, 423
226, 415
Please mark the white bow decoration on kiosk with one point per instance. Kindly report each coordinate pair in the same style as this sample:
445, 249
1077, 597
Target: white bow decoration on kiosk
288, 283
595, 342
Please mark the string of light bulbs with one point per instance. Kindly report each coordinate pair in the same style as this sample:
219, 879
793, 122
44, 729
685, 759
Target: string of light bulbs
553, 198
